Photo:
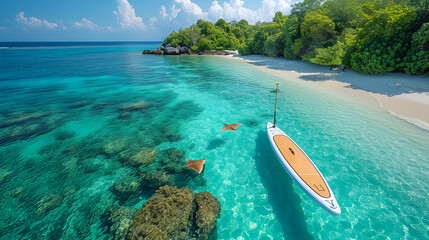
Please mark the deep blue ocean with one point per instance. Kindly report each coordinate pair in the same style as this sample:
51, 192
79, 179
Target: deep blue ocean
71, 112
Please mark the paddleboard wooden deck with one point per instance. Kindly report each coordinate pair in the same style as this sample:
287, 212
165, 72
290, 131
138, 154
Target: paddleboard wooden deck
300, 167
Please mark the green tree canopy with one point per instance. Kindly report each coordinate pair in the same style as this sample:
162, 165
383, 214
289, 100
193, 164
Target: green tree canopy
317, 29
417, 59
382, 44
371, 36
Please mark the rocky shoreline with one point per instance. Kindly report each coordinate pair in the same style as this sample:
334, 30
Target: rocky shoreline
184, 50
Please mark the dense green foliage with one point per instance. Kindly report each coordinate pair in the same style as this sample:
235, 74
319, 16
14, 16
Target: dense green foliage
208, 36
417, 59
371, 36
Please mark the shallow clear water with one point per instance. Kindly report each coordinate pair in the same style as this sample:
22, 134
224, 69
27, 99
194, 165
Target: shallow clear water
61, 107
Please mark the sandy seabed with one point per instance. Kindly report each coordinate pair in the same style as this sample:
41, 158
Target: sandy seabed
402, 95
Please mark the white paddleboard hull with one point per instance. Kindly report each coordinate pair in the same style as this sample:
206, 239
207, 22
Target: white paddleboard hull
330, 204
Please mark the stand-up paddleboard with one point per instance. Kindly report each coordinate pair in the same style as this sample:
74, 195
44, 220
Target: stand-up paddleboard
300, 167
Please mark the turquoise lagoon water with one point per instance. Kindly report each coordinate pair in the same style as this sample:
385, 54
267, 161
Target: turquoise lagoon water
61, 106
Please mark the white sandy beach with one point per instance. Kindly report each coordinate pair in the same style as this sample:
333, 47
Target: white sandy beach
402, 95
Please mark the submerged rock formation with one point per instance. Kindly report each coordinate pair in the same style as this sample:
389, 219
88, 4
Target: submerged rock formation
155, 178
116, 146
208, 211
172, 160
174, 213
145, 156
119, 220
21, 118
49, 202
170, 50
52, 200
17, 191
134, 106
22, 126
127, 185
166, 170
4, 174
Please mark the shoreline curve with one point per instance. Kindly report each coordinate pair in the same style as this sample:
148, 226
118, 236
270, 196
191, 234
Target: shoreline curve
404, 96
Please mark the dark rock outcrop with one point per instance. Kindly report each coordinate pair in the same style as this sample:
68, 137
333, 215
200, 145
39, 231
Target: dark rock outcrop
217, 52
174, 213
184, 50
170, 50
158, 51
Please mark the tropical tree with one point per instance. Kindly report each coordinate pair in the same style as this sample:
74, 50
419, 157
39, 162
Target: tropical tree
292, 33
417, 59
370, 36
317, 29
382, 44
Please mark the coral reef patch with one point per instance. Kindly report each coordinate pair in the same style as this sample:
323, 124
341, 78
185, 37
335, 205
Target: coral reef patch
119, 220
174, 213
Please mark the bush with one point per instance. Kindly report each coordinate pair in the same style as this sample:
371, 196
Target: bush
417, 59
206, 44
273, 46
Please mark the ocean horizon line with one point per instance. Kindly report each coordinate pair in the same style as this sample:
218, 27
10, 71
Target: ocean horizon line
70, 43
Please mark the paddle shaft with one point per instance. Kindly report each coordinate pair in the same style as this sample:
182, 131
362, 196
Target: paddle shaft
275, 106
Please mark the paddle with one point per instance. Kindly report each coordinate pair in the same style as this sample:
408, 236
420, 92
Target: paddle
275, 106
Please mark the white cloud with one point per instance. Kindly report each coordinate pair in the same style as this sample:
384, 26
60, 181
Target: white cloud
174, 12
61, 25
235, 10
163, 12
152, 21
88, 24
126, 16
191, 8
215, 10
34, 22
270, 7
85, 23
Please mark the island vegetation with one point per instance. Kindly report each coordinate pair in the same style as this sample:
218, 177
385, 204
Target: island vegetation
370, 36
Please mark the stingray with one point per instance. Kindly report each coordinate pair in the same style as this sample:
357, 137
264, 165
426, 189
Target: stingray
197, 165
230, 127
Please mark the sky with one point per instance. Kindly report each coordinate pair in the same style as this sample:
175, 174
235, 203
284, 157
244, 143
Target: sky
122, 20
